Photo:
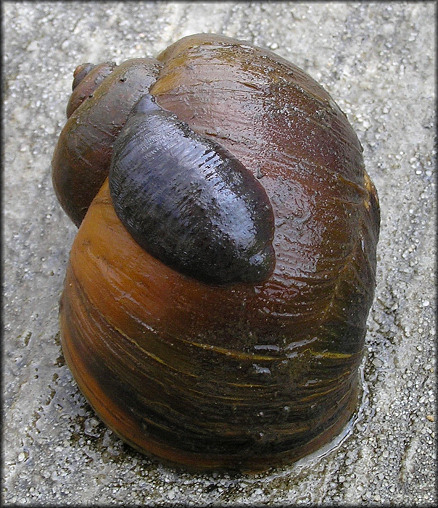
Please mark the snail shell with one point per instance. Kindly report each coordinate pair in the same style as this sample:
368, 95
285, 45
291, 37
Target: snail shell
238, 375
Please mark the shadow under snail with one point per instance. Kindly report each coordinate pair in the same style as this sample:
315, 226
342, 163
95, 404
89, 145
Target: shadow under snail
215, 302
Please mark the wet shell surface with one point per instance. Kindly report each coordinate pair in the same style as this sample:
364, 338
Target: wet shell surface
229, 374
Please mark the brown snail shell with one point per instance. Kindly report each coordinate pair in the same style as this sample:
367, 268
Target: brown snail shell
238, 375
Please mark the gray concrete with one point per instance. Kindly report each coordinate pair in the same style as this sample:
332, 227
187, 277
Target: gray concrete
377, 61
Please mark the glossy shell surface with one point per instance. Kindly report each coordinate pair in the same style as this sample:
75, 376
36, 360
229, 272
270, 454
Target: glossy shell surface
244, 375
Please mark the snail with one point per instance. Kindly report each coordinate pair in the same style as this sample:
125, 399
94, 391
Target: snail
215, 301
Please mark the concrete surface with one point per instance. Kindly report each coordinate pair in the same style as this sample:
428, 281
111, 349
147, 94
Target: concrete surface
377, 60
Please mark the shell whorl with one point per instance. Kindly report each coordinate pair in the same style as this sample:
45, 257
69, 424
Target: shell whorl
87, 78
188, 201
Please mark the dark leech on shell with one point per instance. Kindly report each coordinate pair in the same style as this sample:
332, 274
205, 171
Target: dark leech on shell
188, 201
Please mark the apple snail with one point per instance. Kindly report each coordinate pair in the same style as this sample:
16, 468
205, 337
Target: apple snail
215, 301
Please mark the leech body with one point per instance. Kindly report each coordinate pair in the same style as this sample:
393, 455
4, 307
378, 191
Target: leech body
188, 201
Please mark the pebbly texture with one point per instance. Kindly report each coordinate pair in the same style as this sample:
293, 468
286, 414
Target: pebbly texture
377, 61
